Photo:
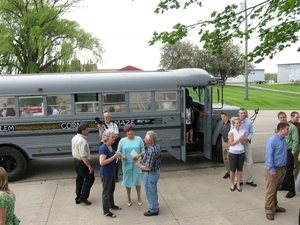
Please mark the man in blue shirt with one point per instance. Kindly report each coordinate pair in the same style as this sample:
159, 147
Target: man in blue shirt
275, 170
292, 143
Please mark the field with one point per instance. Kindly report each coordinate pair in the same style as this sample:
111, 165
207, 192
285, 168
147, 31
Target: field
262, 99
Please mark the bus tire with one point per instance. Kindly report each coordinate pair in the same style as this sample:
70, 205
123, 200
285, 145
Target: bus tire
13, 161
218, 150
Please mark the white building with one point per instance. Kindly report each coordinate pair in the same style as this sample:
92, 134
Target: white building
255, 75
289, 72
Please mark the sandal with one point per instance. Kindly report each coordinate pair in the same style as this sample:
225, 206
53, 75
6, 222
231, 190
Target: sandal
110, 214
116, 207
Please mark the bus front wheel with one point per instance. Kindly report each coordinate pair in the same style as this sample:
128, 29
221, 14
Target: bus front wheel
218, 150
13, 162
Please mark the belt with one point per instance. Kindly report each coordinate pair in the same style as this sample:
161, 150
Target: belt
79, 160
280, 168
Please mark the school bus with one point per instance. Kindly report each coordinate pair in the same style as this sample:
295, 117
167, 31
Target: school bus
40, 112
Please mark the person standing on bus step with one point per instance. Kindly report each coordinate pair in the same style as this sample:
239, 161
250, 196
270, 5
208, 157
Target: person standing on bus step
275, 170
237, 140
247, 126
150, 164
295, 120
7, 201
107, 161
225, 128
26, 111
292, 140
85, 172
189, 118
131, 148
108, 124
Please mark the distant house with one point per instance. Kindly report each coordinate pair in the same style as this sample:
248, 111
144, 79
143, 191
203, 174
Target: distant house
255, 76
126, 68
289, 72
129, 68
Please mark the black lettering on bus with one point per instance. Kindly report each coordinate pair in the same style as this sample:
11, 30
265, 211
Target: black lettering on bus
7, 128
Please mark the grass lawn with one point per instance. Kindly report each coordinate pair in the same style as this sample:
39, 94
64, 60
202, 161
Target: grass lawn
257, 98
287, 87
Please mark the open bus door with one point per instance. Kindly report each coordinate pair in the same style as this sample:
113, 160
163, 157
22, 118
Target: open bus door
183, 127
207, 120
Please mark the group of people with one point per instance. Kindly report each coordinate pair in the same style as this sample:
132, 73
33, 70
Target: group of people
135, 160
282, 156
236, 138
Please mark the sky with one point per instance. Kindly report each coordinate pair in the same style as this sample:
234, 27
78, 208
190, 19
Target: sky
124, 28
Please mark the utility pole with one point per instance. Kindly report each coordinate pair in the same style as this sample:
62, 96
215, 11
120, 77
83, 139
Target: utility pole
244, 7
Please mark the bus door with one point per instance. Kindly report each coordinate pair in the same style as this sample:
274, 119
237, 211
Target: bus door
183, 127
207, 114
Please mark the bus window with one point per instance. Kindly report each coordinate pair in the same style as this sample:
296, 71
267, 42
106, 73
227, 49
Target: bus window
58, 104
113, 102
7, 105
166, 100
138, 101
86, 103
31, 106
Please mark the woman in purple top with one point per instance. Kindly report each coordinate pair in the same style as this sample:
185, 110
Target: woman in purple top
107, 160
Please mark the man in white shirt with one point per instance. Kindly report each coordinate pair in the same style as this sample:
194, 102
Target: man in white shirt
85, 172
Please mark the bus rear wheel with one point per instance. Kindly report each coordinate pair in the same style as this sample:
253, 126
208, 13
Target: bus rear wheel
218, 150
13, 162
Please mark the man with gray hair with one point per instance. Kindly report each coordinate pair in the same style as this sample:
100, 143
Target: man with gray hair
150, 164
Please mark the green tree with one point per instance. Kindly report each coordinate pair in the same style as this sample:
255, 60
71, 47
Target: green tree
229, 24
36, 38
184, 54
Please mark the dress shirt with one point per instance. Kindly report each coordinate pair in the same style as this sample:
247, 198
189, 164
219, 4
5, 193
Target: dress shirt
247, 126
276, 152
292, 138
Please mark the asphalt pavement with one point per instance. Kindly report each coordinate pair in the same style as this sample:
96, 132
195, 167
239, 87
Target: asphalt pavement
186, 197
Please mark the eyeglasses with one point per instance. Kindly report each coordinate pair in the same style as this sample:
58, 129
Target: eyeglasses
113, 137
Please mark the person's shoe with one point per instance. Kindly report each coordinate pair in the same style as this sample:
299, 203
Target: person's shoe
270, 216
226, 175
77, 201
280, 209
87, 202
281, 188
149, 213
251, 183
290, 194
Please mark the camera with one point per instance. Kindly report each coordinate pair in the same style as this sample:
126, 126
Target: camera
97, 120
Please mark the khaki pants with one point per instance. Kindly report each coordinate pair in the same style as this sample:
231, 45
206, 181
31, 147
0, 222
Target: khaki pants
273, 184
225, 151
296, 162
248, 164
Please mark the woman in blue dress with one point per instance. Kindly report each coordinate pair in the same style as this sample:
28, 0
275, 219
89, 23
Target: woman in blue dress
7, 201
131, 148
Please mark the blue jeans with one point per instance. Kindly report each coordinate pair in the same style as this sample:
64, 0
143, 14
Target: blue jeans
150, 183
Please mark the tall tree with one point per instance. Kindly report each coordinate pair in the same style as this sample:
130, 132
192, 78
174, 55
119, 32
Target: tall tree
185, 54
276, 23
182, 54
35, 37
